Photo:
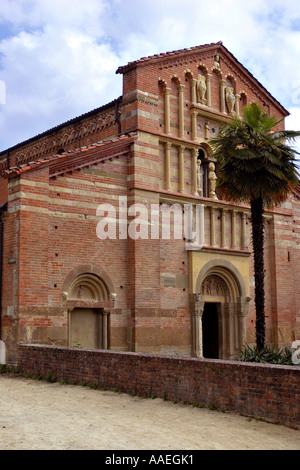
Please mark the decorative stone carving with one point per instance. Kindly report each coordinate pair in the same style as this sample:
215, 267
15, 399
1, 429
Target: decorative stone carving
64, 296
70, 136
80, 294
196, 304
201, 89
197, 307
244, 306
212, 181
87, 287
214, 285
206, 130
113, 298
217, 62
230, 99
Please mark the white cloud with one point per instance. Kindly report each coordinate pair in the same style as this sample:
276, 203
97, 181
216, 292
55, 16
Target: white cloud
292, 122
60, 57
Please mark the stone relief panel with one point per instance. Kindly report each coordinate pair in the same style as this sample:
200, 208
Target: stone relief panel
64, 140
214, 285
88, 287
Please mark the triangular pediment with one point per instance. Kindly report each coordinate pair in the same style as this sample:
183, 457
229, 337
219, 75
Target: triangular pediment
214, 58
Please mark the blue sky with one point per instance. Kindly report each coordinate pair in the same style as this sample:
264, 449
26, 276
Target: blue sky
58, 58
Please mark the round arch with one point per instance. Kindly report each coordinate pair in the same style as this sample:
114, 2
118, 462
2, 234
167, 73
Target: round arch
206, 149
228, 272
88, 287
90, 277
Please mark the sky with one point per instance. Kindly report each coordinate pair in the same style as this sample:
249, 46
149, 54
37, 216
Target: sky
58, 58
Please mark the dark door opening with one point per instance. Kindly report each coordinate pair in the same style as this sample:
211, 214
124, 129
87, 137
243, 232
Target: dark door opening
210, 331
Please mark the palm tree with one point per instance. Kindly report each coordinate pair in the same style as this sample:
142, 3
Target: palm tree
257, 166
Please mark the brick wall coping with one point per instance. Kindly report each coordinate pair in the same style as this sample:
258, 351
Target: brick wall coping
165, 356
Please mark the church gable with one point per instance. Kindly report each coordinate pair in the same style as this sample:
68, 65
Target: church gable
188, 94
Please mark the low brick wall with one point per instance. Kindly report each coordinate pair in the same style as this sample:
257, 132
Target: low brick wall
267, 392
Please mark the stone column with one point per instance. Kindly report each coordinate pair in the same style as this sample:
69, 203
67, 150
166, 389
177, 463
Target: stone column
223, 228
225, 331
229, 330
233, 230
105, 314
194, 172
212, 227
194, 124
243, 309
243, 231
208, 90
181, 110
168, 165
222, 332
237, 104
222, 91
181, 169
167, 109
194, 85
197, 307
200, 227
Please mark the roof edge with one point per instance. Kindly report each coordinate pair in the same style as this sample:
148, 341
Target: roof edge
61, 126
165, 55
68, 155
193, 50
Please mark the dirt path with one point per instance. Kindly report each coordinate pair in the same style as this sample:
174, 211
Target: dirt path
38, 415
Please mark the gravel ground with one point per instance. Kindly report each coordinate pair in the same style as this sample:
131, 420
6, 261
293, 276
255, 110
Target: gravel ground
36, 415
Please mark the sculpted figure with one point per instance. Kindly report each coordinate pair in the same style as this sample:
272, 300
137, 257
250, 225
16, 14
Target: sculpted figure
230, 98
212, 181
217, 62
206, 130
199, 178
201, 89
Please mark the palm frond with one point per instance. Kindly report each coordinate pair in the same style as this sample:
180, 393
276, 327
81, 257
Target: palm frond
253, 160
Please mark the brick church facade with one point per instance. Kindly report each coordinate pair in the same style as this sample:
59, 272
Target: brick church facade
65, 283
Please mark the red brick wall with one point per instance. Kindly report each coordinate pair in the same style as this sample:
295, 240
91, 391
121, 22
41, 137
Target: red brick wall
266, 392
48, 245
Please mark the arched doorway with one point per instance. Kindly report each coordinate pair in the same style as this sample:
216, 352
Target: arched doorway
210, 330
89, 301
219, 310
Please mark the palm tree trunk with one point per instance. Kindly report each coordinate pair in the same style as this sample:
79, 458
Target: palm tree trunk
257, 220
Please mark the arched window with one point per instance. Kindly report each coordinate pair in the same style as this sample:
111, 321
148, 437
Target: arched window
205, 161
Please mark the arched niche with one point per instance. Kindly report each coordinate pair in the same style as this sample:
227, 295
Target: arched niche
95, 281
188, 81
243, 100
88, 296
216, 90
88, 287
230, 94
175, 106
205, 158
201, 85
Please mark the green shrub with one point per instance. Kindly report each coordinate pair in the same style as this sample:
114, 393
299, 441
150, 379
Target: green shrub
50, 378
268, 355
